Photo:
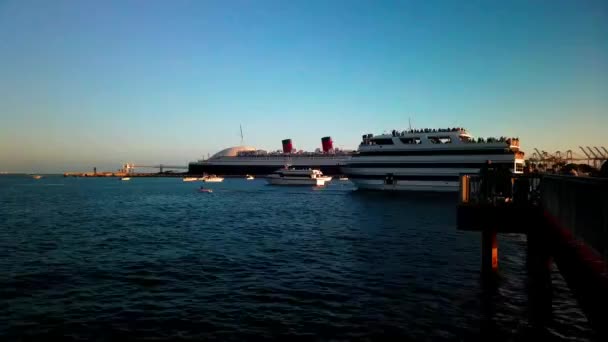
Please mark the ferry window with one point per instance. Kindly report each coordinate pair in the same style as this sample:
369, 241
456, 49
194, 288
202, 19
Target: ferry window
440, 140
414, 140
519, 167
382, 141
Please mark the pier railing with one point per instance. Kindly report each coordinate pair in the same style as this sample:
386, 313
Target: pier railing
581, 205
518, 189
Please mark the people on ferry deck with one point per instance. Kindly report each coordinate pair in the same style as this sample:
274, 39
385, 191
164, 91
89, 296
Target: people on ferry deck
604, 170
486, 174
504, 185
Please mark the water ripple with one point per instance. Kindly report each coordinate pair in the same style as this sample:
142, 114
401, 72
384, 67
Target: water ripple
153, 258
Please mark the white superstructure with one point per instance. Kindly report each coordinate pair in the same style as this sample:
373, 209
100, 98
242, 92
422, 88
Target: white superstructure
290, 176
427, 159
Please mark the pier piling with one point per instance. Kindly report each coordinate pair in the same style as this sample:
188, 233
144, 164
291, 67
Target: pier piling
489, 252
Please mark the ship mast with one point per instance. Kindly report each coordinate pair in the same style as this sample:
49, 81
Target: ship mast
241, 127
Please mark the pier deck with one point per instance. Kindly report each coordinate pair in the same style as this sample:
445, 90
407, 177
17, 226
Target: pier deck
565, 220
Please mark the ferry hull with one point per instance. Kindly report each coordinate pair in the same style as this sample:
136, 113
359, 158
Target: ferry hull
405, 185
431, 177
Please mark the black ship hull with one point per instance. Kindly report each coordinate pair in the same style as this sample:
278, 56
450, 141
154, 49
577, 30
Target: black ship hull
242, 170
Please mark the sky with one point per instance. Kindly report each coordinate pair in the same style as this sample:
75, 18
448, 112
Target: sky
101, 83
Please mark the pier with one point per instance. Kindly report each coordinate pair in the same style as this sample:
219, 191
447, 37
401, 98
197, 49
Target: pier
565, 220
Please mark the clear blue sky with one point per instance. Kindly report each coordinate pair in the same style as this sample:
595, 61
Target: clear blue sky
99, 83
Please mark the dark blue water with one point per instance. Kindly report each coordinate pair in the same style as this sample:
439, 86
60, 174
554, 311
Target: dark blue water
101, 258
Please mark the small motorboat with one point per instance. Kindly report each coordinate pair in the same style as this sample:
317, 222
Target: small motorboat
205, 190
212, 179
125, 178
291, 176
249, 177
37, 177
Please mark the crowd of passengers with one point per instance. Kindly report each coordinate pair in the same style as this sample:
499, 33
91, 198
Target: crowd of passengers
427, 130
493, 140
396, 133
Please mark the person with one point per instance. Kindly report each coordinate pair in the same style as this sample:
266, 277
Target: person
521, 188
487, 180
503, 181
604, 170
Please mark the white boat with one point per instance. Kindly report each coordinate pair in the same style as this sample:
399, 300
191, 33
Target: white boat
291, 176
249, 177
343, 178
125, 178
213, 179
36, 176
189, 179
427, 159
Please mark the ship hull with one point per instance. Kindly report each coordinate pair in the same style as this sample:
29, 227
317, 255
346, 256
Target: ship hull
431, 174
236, 169
405, 185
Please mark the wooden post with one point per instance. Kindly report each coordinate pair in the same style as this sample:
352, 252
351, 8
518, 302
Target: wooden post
489, 252
465, 181
539, 264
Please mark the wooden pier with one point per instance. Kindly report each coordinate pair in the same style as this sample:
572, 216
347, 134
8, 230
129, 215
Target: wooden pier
565, 220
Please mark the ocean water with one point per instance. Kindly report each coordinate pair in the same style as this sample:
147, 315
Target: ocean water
153, 258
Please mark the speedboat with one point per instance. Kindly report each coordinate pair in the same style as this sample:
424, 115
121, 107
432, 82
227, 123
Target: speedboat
249, 177
213, 179
189, 179
37, 177
291, 176
125, 178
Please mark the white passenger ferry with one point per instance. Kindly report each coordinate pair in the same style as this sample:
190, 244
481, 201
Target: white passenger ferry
427, 159
290, 176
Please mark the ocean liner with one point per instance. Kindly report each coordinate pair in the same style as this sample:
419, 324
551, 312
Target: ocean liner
245, 160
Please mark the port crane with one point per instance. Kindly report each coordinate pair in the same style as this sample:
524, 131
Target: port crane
593, 156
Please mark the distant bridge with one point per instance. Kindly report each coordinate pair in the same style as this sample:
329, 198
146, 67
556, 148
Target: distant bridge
130, 167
